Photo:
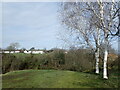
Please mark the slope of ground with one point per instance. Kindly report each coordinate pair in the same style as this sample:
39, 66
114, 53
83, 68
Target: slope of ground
56, 79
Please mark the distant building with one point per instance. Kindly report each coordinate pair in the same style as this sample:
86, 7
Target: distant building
26, 51
37, 52
5, 51
34, 52
17, 51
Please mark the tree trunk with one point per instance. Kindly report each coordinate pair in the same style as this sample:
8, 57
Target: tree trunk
105, 40
105, 59
97, 61
97, 51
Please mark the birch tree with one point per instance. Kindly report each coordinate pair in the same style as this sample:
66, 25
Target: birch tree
106, 14
93, 21
78, 18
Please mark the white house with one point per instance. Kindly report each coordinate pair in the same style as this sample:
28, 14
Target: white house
34, 52
11, 51
37, 52
17, 51
6, 51
28, 52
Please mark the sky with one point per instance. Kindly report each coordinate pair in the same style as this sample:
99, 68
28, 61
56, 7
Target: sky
0, 24
30, 24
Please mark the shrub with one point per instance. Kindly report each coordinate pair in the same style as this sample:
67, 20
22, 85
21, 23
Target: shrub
80, 60
75, 60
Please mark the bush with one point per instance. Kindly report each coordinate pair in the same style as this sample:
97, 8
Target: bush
80, 60
75, 60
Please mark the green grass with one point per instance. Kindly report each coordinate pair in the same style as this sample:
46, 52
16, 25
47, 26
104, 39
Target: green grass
56, 79
19, 55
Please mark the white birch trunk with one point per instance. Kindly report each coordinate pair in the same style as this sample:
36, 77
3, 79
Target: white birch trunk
97, 52
105, 40
105, 76
105, 65
105, 57
97, 61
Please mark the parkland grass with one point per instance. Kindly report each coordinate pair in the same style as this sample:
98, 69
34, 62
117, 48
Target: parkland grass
56, 79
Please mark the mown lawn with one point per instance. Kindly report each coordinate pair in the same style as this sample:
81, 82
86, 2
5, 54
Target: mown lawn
56, 79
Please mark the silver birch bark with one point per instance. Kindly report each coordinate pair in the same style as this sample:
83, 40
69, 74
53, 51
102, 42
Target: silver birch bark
105, 58
102, 20
105, 41
97, 52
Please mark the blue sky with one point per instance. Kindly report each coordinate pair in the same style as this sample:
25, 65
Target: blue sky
31, 24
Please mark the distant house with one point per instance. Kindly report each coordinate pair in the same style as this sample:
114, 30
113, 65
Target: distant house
17, 51
37, 52
6, 51
12, 51
26, 51
34, 52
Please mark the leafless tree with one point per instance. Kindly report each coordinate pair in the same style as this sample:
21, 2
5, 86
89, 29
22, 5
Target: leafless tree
93, 22
13, 46
107, 23
78, 18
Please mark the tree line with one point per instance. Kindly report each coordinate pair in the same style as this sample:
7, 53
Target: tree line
81, 60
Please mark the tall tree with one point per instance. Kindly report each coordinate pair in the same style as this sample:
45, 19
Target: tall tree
93, 21
107, 24
78, 18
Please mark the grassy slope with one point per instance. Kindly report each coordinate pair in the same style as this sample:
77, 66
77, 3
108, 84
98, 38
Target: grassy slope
56, 79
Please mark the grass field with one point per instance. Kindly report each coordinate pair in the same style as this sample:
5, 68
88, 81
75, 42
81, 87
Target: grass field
56, 79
